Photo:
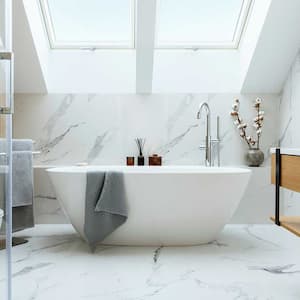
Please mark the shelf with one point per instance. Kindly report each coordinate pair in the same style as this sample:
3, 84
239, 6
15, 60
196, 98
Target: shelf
15, 242
291, 223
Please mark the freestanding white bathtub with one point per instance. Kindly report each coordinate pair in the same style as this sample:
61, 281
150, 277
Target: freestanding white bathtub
169, 205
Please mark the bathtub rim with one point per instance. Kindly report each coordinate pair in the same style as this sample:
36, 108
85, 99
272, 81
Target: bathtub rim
169, 169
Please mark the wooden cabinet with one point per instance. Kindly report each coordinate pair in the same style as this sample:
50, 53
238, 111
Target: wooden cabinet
285, 172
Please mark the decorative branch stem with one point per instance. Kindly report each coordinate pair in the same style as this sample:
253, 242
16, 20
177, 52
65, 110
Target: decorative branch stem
258, 136
251, 142
140, 142
244, 131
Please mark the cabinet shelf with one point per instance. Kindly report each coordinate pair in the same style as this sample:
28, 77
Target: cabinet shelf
291, 223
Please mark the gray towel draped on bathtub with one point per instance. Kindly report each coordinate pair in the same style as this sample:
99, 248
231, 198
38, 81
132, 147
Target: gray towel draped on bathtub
105, 205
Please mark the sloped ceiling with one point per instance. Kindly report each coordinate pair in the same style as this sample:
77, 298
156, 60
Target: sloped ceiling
272, 51
276, 49
28, 73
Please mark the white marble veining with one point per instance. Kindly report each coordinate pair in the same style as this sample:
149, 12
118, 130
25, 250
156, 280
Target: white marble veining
99, 129
47, 209
289, 136
259, 262
287, 151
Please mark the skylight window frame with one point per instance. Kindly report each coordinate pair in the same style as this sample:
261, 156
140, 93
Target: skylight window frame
81, 45
233, 45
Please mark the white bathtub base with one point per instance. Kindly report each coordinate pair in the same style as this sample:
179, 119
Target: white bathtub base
170, 206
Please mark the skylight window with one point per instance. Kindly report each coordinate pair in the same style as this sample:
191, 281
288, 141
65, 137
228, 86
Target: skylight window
188, 24
89, 23
200, 23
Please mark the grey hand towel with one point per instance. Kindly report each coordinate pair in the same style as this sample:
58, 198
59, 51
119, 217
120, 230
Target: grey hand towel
22, 193
105, 208
22, 174
22, 145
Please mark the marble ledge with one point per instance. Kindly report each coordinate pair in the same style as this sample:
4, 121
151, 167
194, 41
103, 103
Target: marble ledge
46, 166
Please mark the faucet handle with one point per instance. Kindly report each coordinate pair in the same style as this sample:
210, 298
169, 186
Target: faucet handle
218, 140
218, 127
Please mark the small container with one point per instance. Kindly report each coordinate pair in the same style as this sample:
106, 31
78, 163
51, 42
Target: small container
130, 160
141, 161
155, 160
140, 142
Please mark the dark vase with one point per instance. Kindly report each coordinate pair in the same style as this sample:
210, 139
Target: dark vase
254, 157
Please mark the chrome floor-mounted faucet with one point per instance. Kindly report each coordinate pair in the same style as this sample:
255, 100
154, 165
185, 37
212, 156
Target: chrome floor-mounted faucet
209, 142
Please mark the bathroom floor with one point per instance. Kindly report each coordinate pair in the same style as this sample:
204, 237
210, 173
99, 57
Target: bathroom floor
246, 262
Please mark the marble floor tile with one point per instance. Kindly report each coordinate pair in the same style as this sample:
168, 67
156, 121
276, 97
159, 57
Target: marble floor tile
246, 262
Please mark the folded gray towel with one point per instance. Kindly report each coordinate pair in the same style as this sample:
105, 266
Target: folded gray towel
22, 193
17, 145
22, 145
22, 174
105, 207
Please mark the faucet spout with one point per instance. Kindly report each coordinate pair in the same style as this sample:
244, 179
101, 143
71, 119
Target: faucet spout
208, 144
201, 106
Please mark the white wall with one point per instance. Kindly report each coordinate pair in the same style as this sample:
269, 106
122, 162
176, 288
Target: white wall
202, 71
100, 129
66, 127
79, 71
